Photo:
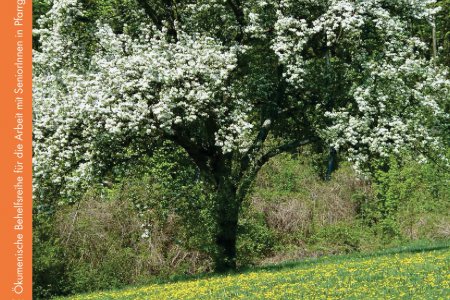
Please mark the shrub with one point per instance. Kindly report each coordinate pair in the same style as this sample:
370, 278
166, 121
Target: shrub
107, 245
409, 198
338, 238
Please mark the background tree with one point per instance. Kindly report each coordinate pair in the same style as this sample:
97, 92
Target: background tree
234, 84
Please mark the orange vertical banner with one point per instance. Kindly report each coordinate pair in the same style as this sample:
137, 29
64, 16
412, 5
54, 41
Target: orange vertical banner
15, 150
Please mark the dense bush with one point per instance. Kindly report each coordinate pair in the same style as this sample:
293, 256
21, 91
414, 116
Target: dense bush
411, 200
107, 245
49, 267
307, 216
126, 230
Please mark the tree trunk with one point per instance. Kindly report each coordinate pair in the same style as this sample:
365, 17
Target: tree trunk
227, 214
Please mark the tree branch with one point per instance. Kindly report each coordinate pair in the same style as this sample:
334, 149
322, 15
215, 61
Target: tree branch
199, 155
289, 147
172, 17
151, 13
269, 112
256, 145
239, 15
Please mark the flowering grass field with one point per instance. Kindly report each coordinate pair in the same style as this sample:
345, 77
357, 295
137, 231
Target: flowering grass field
412, 274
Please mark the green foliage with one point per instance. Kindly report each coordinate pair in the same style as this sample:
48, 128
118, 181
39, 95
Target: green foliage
151, 219
308, 216
284, 175
339, 238
443, 30
49, 267
255, 239
305, 214
408, 195
40, 7
98, 240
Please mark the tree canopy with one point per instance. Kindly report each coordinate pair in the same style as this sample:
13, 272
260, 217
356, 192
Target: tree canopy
234, 83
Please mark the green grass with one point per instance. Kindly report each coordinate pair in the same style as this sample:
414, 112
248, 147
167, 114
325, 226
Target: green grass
415, 272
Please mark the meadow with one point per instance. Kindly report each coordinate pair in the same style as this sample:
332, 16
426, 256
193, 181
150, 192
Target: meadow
409, 273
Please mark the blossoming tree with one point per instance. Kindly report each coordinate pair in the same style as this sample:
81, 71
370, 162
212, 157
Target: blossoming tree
234, 83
